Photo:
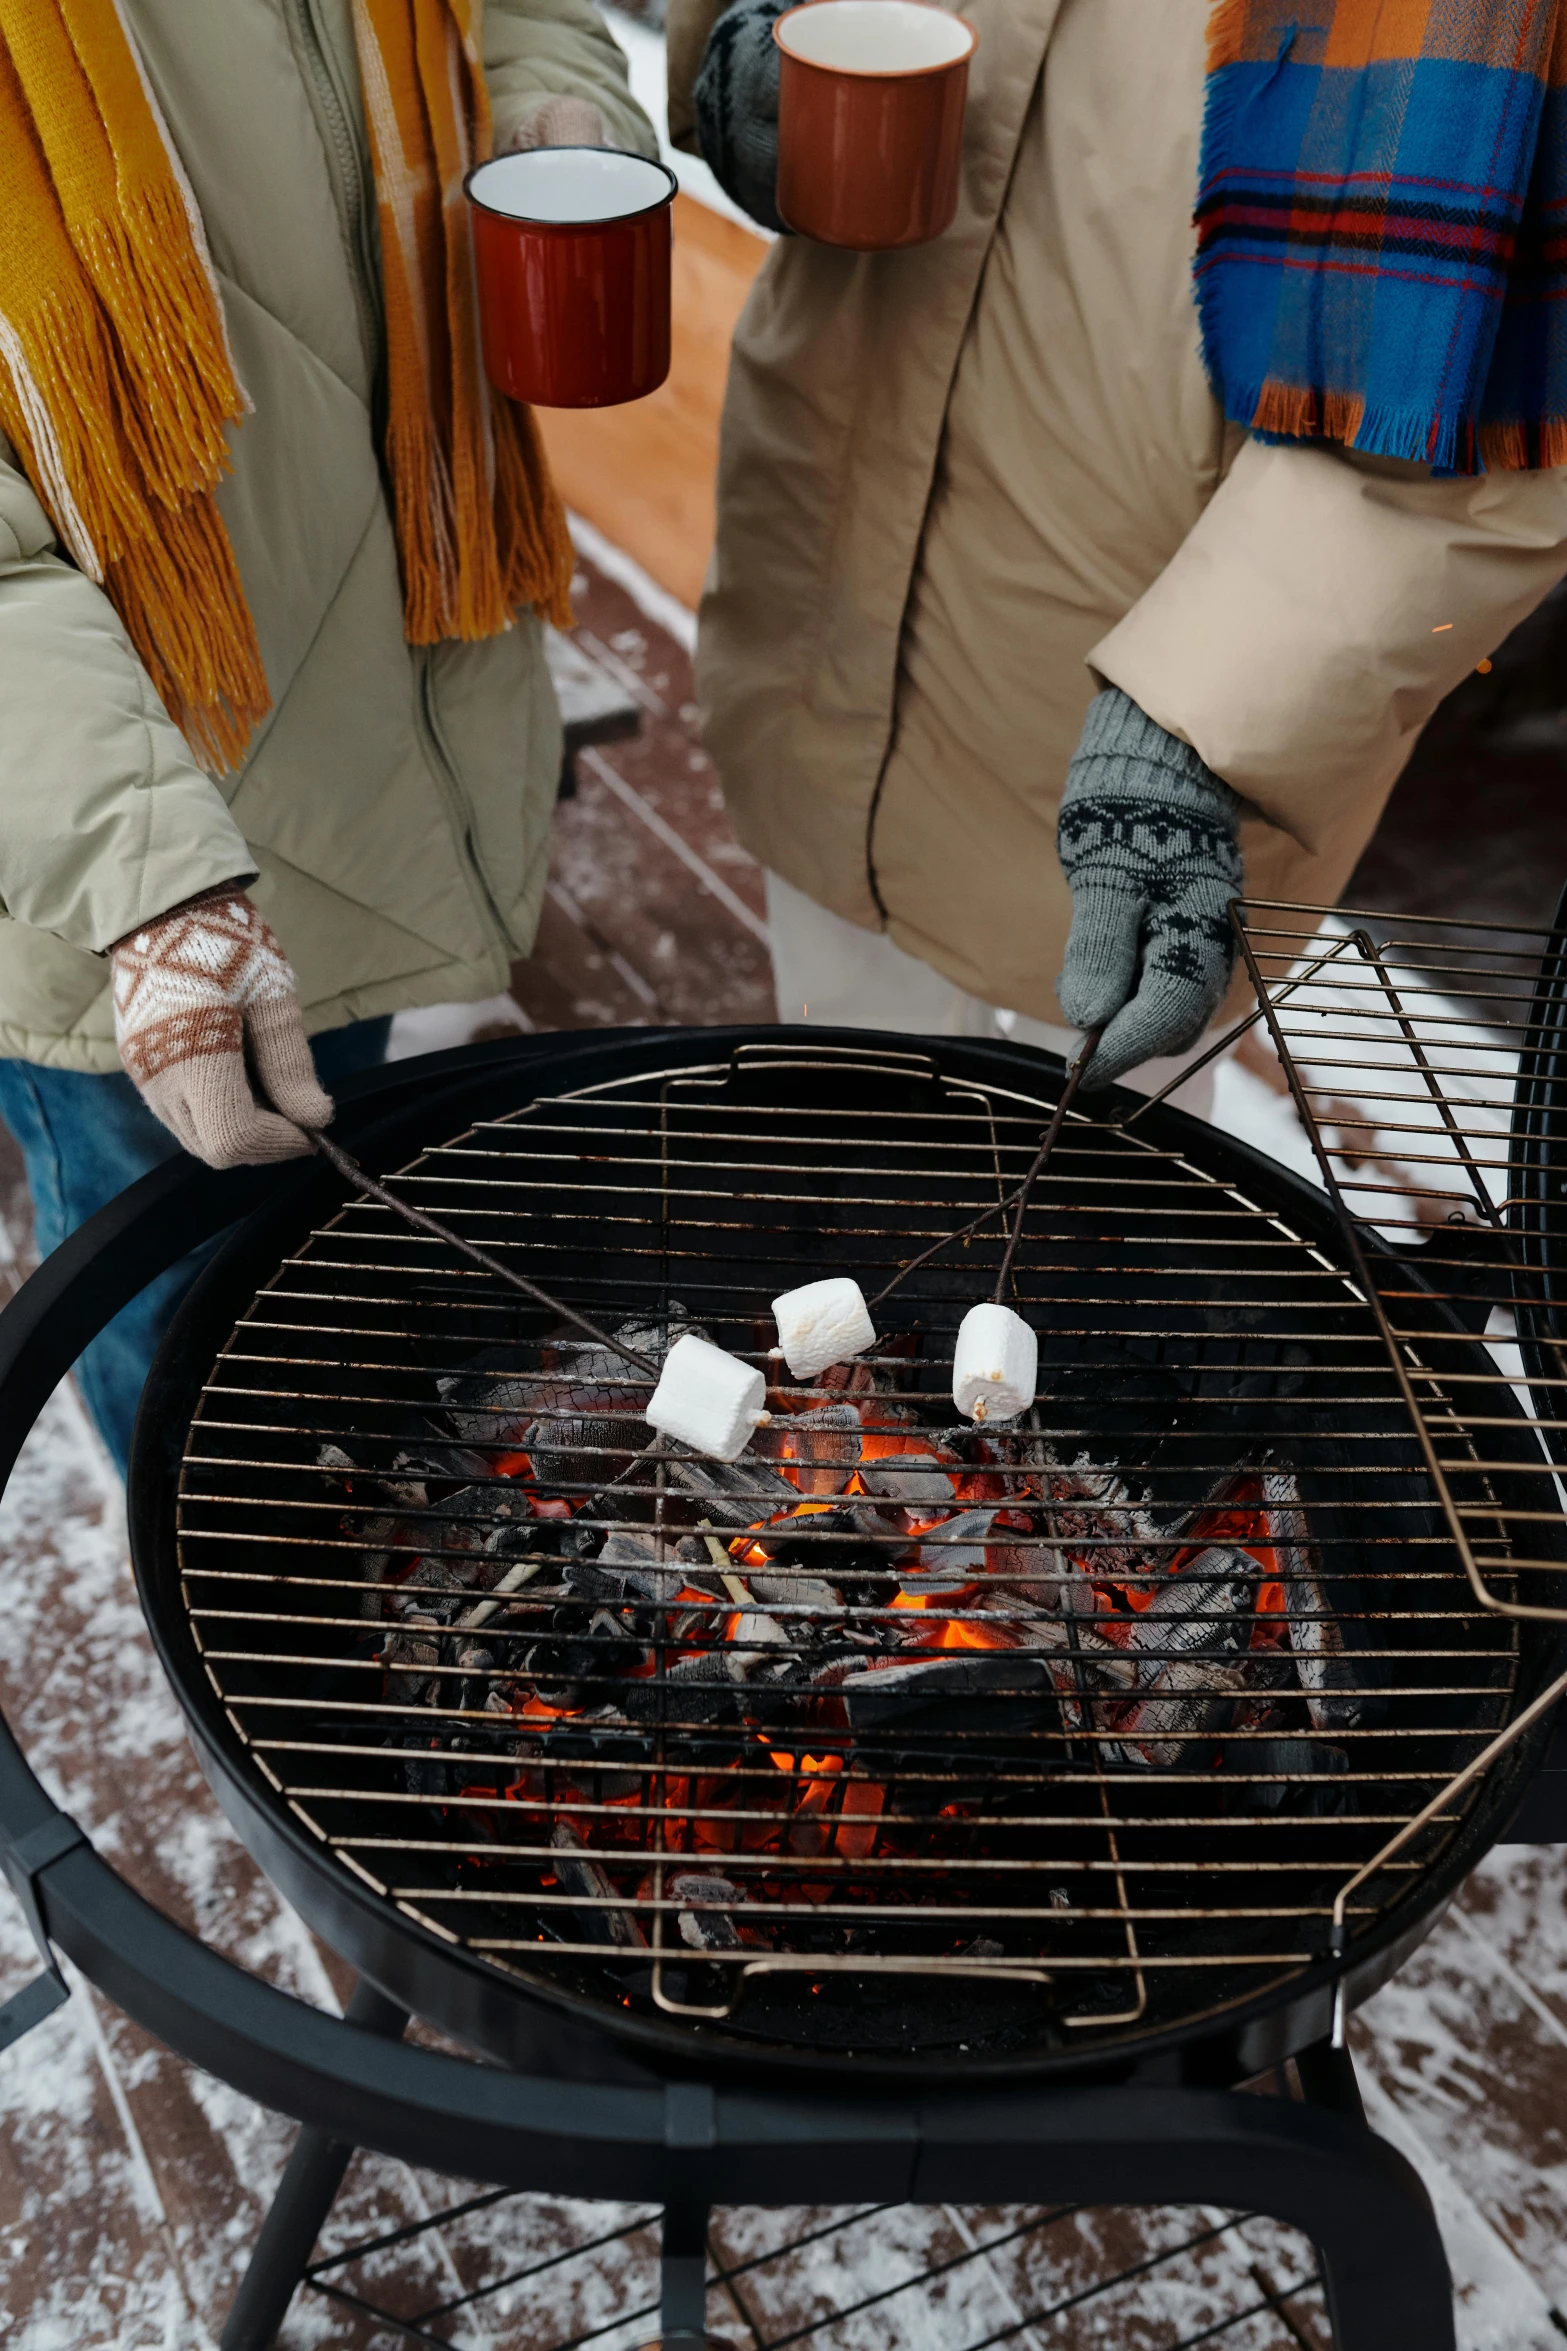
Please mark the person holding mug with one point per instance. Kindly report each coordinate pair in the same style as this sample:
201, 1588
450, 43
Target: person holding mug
279, 745
1108, 554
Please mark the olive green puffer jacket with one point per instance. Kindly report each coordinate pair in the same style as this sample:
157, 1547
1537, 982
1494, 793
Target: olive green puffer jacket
396, 803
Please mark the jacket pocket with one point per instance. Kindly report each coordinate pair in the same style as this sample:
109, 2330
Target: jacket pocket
489, 713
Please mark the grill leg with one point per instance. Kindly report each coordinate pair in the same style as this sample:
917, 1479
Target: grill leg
305, 2196
1327, 2079
683, 2274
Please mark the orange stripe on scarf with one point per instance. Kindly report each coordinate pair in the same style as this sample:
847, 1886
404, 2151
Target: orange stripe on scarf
479, 524
117, 385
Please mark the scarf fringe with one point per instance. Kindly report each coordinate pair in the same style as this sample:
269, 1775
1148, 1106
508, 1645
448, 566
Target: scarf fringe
170, 336
65, 385
179, 595
1290, 412
537, 557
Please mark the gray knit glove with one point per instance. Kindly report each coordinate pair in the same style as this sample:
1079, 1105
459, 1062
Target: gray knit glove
737, 106
1147, 838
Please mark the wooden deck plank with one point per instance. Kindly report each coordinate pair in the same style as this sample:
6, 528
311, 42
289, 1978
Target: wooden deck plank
643, 474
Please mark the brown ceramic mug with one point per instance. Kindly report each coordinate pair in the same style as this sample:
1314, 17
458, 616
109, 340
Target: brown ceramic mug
871, 96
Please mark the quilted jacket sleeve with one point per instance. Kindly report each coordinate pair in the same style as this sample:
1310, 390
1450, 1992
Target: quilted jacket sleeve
107, 819
1310, 623
538, 49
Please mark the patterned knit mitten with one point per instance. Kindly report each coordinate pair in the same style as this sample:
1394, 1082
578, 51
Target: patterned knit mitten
192, 989
1147, 838
737, 106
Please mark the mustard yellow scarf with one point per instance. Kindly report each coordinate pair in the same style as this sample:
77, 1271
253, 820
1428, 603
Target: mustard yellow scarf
117, 382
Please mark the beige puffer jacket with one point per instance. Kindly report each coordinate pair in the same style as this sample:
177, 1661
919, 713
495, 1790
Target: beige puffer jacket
397, 803
961, 485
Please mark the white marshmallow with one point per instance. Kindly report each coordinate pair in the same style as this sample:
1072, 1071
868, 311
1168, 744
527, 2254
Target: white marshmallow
825, 1322
709, 1399
995, 1365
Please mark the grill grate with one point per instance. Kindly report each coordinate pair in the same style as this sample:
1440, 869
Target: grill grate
639, 1799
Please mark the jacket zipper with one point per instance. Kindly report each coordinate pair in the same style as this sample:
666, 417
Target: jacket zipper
355, 195
350, 185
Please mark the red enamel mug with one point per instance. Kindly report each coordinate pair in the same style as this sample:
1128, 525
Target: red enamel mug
871, 100
572, 246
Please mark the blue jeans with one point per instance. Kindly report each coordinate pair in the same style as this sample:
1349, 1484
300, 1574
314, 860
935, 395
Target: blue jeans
85, 1138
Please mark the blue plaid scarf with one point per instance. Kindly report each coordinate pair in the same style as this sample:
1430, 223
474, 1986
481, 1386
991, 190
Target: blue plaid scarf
1382, 226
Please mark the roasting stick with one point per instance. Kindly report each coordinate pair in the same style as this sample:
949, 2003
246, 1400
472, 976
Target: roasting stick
375, 1190
1085, 1053
1020, 1197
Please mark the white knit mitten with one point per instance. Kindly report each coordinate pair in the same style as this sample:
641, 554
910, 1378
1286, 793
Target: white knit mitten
192, 989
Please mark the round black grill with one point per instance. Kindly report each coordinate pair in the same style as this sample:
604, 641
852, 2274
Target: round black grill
898, 1737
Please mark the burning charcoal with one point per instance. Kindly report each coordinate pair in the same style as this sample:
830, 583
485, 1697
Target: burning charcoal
695, 1690
908, 1478
1329, 1679
892, 1692
707, 1399
477, 1664
821, 1448
784, 1588
453, 1463
1187, 1703
629, 1563
1309, 1771
408, 1492
1183, 1643
1203, 1610
492, 1402
982, 1947
954, 1552
415, 1647
425, 1770
825, 1322
753, 1635
994, 1365
579, 1453
705, 1929
603, 1917
737, 1497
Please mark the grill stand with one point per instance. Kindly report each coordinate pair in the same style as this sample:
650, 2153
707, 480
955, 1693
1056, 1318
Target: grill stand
1157, 2139
1383, 2268
306, 2194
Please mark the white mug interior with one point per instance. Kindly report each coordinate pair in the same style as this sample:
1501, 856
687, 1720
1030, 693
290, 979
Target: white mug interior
875, 36
569, 185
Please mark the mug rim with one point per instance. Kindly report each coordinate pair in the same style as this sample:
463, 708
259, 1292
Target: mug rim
878, 73
524, 220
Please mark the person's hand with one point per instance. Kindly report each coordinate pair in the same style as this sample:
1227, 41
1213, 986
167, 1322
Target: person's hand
562, 122
192, 989
1147, 838
736, 99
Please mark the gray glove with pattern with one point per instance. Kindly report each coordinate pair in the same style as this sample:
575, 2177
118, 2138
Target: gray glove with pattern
737, 106
1147, 839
